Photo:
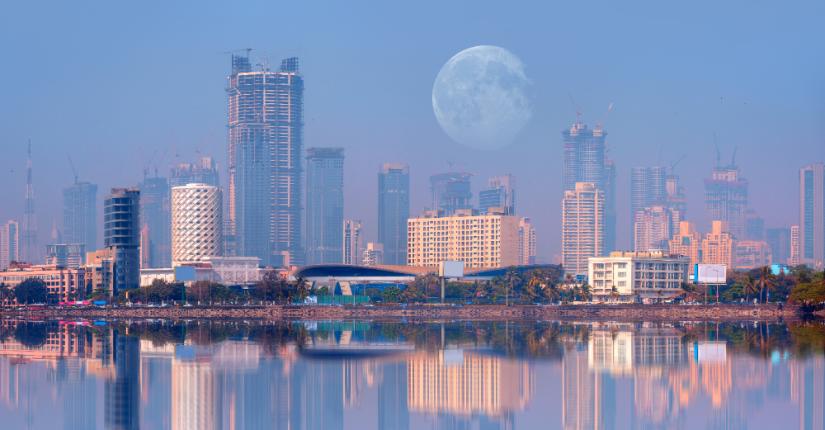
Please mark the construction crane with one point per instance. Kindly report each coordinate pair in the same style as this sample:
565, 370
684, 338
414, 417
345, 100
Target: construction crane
676, 163
74, 171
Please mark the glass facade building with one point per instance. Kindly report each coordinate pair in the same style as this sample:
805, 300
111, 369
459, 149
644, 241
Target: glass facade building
121, 234
325, 205
393, 211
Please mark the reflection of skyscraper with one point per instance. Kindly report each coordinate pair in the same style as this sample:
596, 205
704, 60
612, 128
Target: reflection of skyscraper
808, 389
393, 211
451, 191
265, 121
461, 383
578, 391
325, 205
123, 390
193, 392
317, 395
392, 398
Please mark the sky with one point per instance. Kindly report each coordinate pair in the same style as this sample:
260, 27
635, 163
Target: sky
123, 87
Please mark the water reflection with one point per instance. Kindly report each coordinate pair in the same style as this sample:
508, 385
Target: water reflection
342, 375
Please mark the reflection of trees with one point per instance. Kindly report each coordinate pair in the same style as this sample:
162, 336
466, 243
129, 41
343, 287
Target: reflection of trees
31, 335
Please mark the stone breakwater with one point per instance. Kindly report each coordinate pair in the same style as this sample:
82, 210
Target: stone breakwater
427, 312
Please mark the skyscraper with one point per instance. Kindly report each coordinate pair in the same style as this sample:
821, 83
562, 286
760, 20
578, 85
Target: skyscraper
393, 211
500, 193
676, 200
726, 198
648, 187
155, 216
812, 215
585, 160
29, 248
796, 248
121, 233
717, 246
265, 143
779, 240
526, 242
687, 242
651, 230
352, 242
325, 205
197, 223
80, 214
451, 191
9, 243
205, 171
582, 226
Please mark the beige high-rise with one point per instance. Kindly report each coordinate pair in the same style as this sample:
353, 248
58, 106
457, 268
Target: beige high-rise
687, 242
196, 223
717, 246
582, 227
490, 240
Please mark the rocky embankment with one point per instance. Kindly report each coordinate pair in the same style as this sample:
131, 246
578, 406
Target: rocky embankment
470, 312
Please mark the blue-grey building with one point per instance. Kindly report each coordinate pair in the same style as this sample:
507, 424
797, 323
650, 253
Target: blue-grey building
325, 205
156, 223
500, 193
121, 233
265, 144
205, 171
812, 215
393, 211
80, 214
451, 191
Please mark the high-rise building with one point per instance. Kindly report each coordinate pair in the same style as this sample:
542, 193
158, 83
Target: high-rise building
651, 229
754, 226
718, 245
29, 248
487, 240
451, 192
325, 205
779, 239
812, 215
265, 145
197, 223
526, 242
156, 228
121, 233
500, 193
205, 171
66, 255
582, 226
676, 200
393, 211
374, 254
648, 187
796, 247
80, 214
726, 198
352, 242
585, 160
687, 242
9, 243
751, 254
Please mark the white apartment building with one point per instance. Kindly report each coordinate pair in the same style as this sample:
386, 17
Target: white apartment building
352, 248
480, 241
623, 276
197, 223
582, 227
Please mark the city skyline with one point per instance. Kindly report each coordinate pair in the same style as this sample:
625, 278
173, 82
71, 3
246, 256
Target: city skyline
647, 126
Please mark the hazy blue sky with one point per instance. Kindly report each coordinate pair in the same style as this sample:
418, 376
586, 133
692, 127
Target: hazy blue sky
122, 86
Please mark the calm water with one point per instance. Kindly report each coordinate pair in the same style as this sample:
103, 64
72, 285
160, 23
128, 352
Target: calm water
367, 375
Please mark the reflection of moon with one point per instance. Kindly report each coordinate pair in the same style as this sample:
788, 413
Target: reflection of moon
480, 97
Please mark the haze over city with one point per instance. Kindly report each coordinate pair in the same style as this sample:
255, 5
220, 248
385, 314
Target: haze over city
124, 88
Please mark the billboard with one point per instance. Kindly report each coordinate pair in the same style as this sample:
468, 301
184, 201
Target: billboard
710, 274
451, 269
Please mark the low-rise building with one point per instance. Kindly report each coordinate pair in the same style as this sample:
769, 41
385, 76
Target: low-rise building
750, 254
63, 283
100, 271
373, 254
624, 276
488, 240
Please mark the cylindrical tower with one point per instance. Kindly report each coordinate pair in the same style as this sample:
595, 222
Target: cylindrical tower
196, 223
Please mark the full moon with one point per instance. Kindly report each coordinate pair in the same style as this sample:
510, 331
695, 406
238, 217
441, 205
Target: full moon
480, 97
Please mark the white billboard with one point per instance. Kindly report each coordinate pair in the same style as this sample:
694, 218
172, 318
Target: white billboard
710, 274
451, 269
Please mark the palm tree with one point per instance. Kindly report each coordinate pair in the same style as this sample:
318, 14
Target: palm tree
766, 282
749, 287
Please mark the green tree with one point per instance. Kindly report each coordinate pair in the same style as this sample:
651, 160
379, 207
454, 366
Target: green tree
6, 295
766, 283
31, 290
391, 294
749, 286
